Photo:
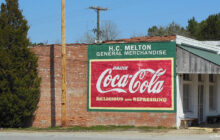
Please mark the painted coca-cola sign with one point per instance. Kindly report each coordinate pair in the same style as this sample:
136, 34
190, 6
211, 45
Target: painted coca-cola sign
117, 81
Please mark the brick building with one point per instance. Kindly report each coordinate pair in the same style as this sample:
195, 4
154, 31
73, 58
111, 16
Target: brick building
196, 94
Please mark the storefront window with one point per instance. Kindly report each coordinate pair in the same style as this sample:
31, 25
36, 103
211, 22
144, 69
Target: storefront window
212, 93
187, 98
200, 78
212, 98
187, 77
211, 78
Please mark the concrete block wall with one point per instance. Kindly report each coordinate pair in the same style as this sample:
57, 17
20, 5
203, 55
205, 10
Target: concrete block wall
49, 107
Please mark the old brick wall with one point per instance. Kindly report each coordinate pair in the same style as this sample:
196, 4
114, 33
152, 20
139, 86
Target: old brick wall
49, 110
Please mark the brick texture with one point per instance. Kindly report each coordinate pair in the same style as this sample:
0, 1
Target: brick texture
49, 107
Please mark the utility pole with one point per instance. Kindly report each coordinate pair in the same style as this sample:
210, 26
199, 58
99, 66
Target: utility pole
63, 97
98, 9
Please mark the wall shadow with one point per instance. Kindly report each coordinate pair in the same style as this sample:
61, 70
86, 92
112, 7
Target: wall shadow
52, 87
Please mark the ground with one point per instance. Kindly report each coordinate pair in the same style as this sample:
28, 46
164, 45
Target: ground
111, 135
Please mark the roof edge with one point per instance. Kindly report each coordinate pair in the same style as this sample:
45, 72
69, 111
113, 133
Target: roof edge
181, 40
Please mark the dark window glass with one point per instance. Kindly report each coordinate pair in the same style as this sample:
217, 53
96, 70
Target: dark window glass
211, 78
187, 77
200, 78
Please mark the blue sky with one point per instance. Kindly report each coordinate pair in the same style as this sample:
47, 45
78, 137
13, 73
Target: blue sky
130, 16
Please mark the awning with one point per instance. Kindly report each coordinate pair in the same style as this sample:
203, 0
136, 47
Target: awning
194, 60
206, 54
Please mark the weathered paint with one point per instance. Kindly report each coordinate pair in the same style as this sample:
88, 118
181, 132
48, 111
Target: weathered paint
150, 72
191, 63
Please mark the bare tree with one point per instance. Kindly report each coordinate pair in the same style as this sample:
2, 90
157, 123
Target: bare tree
109, 31
136, 34
88, 37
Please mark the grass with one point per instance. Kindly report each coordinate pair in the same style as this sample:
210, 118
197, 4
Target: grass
94, 128
158, 128
100, 128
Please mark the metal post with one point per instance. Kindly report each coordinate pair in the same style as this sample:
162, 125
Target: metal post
63, 100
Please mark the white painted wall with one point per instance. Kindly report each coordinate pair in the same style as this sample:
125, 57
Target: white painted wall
179, 107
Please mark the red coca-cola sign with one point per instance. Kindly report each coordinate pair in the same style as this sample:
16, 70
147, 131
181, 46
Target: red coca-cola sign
131, 84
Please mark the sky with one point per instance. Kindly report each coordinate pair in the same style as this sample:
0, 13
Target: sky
132, 17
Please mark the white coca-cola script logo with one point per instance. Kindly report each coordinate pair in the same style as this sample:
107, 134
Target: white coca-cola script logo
136, 82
